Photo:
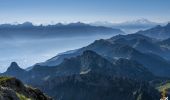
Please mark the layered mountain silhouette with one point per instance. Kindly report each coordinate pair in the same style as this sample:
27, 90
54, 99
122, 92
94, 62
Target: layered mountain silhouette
159, 32
129, 66
75, 76
144, 50
28, 30
88, 62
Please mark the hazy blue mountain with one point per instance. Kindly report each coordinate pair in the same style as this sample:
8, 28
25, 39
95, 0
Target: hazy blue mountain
139, 42
28, 30
129, 26
159, 32
143, 44
59, 58
136, 47
15, 70
115, 50
132, 37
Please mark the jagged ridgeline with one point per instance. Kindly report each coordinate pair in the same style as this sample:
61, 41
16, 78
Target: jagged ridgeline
90, 76
28, 30
13, 89
124, 67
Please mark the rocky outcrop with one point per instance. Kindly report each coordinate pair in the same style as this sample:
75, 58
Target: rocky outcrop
7, 93
13, 89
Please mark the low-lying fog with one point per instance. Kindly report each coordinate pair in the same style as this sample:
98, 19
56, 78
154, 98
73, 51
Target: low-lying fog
27, 52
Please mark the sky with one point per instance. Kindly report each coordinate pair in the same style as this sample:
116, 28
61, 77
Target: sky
52, 11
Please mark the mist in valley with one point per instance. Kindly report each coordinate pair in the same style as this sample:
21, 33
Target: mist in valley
28, 51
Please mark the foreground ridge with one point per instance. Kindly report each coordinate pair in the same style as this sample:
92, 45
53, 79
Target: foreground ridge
13, 89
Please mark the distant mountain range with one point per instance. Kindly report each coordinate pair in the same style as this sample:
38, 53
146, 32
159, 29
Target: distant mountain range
158, 32
28, 30
130, 26
147, 51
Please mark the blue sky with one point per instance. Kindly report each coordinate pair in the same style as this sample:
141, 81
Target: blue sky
45, 11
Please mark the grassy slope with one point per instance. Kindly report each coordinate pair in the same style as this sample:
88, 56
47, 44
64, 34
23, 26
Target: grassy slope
162, 87
3, 79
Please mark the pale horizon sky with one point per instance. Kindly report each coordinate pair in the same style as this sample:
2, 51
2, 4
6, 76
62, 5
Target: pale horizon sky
53, 11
